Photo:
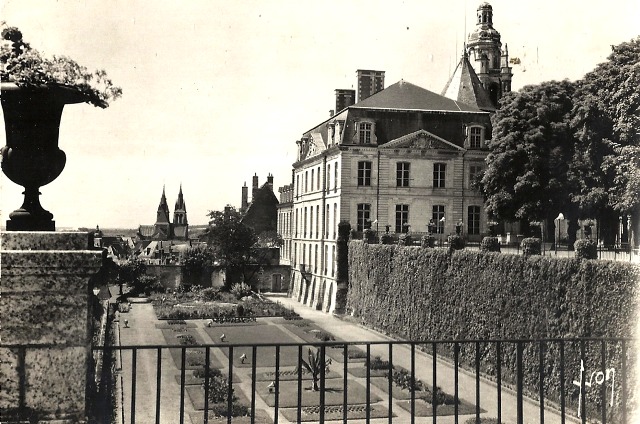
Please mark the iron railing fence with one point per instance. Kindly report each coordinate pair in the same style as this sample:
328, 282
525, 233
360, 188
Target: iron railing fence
514, 381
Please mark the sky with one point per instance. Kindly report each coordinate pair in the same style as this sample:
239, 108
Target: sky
217, 91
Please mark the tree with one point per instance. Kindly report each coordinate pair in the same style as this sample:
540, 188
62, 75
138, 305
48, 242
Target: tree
230, 240
195, 261
606, 121
525, 178
130, 271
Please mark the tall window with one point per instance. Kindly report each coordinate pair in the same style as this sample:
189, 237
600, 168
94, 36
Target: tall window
335, 178
364, 216
333, 262
311, 222
318, 179
306, 181
475, 137
318, 221
295, 252
326, 224
296, 227
437, 216
474, 170
312, 179
439, 174
473, 220
304, 233
326, 259
315, 259
364, 173
328, 182
297, 185
402, 174
365, 132
402, 218
335, 220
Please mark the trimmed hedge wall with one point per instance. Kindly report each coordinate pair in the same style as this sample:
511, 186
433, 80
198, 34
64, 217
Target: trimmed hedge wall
432, 294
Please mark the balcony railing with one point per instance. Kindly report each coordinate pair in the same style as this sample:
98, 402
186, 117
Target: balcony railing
517, 381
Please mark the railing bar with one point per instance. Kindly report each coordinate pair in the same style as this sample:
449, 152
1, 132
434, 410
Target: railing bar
159, 384
562, 384
519, 384
623, 368
22, 377
182, 381
413, 382
277, 386
299, 412
390, 380
603, 387
541, 373
345, 386
368, 385
207, 365
434, 354
456, 394
582, 385
230, 388
254, 352
478, 382
134, 358
323, 363
499, 379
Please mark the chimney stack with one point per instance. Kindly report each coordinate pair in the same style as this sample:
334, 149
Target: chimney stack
369, 83
245, 198
270, 180
344, 98
255, 186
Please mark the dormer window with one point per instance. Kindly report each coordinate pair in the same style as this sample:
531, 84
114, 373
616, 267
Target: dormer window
365, 132
475, 137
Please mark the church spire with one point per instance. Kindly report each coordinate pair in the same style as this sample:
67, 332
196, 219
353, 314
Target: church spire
162, 216
180, 210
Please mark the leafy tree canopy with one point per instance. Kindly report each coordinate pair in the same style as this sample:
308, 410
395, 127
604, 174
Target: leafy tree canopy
229, 239
527, 165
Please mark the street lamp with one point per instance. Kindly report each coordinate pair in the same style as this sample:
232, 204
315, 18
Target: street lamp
442, 232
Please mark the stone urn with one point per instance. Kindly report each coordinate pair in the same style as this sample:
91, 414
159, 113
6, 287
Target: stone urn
31, 157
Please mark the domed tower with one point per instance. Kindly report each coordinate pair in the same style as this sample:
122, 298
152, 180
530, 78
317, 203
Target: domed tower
491, 62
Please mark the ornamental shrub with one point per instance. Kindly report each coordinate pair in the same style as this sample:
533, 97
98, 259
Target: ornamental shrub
427, 241
241, 290
378, 364
370, 236
531, 246
455, 242
210, 294
386, 238
586, 249
490, 244
405, 240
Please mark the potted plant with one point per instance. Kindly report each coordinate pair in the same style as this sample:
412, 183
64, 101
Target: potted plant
34, 92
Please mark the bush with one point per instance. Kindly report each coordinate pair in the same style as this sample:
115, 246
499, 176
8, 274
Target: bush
586, 249
241, 290
490, 244
427, 241
386, 238
239, 311
210, 294
531, 246
370, 236
402, 379
378, 364
405, 240
455, 242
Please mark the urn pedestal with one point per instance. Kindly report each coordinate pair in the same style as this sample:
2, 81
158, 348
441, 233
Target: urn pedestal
45, 342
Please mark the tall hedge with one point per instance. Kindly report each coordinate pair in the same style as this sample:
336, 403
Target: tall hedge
432, 294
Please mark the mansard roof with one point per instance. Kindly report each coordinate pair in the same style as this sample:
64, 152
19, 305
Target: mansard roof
465, 86
406, 96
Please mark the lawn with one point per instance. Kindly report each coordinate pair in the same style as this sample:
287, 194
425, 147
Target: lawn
252, 334
334, 390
